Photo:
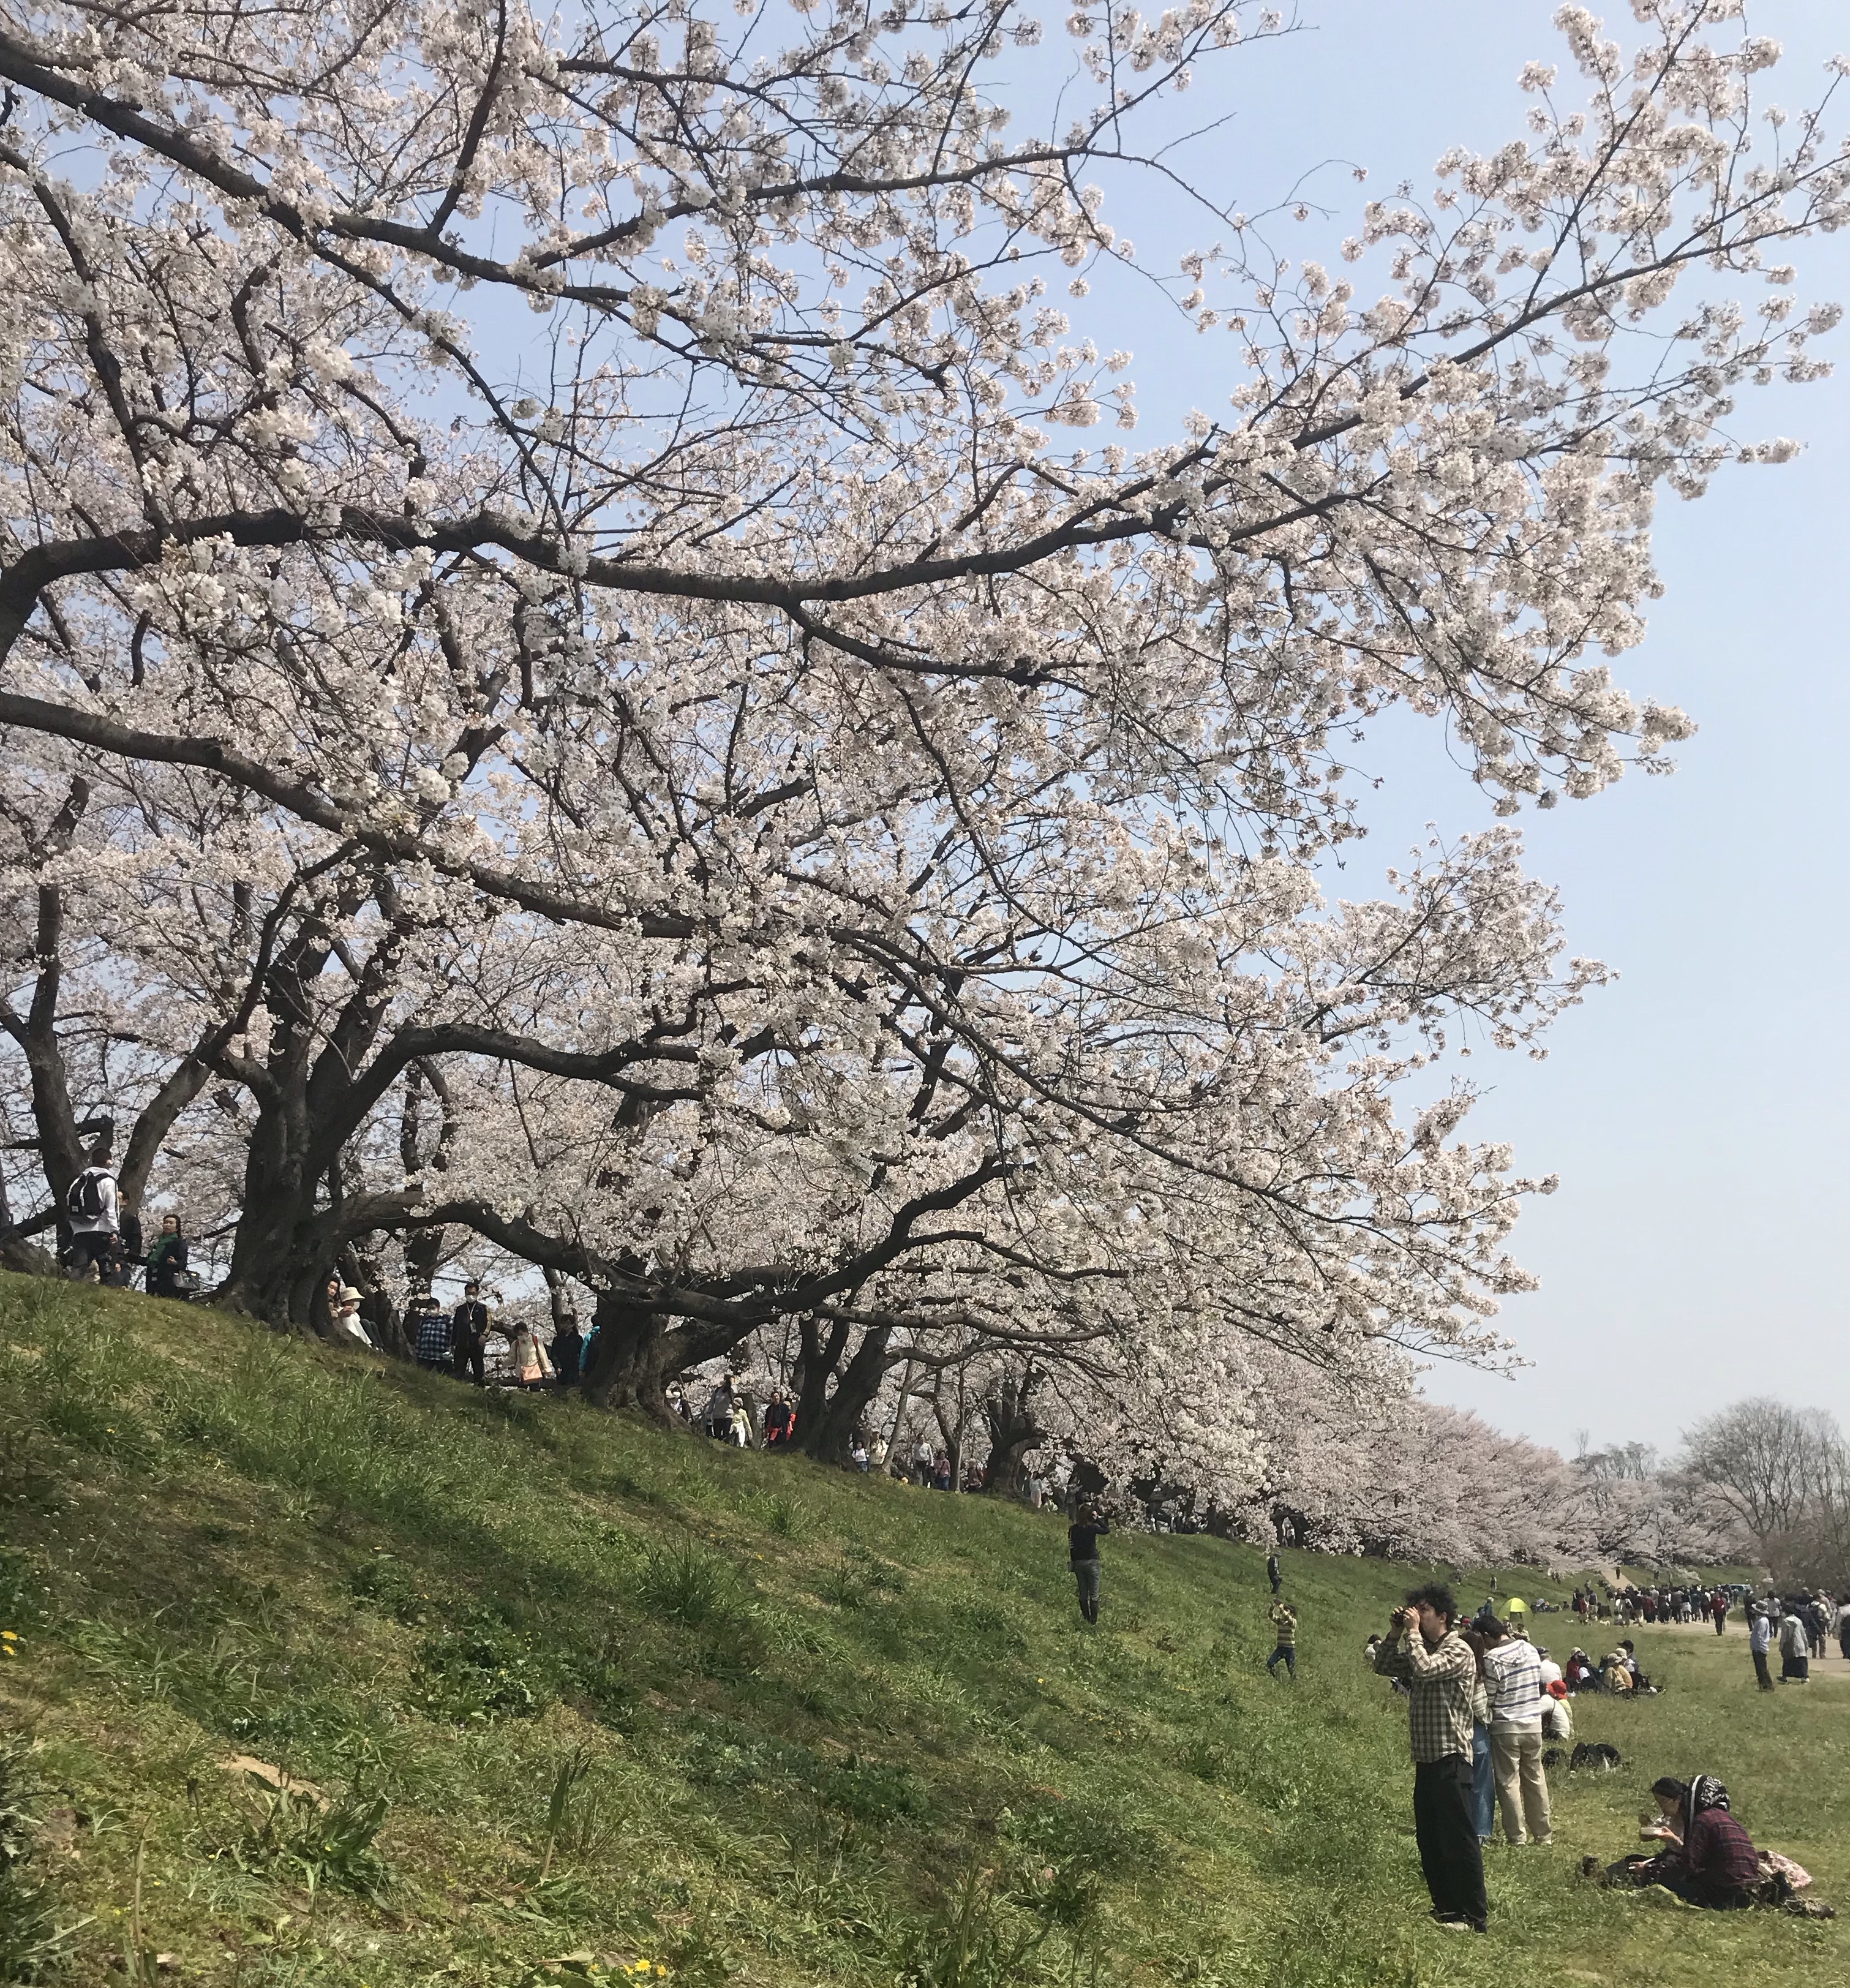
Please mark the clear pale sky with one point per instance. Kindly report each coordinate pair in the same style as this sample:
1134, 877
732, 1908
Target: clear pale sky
1696, 1110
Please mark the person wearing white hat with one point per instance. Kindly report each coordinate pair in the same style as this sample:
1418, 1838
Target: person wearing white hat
346, 1317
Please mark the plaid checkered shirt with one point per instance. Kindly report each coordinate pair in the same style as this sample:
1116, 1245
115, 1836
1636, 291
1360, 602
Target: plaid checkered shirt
434, 1339
1445, 1686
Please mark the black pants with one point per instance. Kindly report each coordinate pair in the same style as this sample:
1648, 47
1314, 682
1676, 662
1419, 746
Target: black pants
1449, 1852
466, 1360
91, 1247
1761, 1671
1718, 1621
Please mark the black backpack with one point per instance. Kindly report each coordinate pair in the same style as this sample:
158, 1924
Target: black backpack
83, 1198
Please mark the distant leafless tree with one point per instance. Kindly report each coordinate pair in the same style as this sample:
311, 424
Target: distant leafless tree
1772, 1464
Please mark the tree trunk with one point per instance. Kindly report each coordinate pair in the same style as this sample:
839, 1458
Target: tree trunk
638, 1352
1013, 1431
826, 1431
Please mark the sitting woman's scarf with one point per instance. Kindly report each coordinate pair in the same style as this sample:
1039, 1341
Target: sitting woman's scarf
1706, 1792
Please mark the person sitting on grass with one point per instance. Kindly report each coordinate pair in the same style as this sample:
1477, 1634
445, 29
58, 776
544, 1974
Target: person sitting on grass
1639, 1680
1708, 1859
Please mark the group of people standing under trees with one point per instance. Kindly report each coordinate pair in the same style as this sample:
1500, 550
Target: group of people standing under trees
101, 1240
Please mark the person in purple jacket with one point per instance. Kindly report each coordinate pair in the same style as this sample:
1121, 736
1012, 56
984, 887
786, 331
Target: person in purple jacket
1707, 1858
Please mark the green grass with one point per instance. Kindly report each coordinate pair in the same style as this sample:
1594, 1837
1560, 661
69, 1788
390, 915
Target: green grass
578, 1694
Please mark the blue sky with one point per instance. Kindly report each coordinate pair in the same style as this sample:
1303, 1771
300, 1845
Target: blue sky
1695, 1111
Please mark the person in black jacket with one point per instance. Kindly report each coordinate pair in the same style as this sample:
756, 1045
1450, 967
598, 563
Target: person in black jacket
1089, 1526
1272, 1573
567, 1351
469, 1335
166, 1260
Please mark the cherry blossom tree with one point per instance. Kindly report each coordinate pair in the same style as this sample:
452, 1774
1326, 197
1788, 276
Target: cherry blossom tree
712, 794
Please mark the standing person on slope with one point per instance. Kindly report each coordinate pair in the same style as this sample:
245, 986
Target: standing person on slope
1284, 1650
1423, 1647
1089, 1526
91, 1213
1272, 1573
1513, 1673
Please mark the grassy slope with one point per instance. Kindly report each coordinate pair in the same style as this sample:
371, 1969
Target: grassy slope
835, 1730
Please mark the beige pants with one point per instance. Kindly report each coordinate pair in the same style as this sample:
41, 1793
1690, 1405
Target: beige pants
1522, 1782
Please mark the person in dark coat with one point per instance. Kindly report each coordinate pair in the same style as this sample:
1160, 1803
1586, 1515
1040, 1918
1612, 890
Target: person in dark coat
469, 1335
125, 1258
567, 1351
1089, 1527
166, 1260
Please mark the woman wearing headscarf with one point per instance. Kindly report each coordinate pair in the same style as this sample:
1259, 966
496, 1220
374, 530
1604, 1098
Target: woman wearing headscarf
1708, 1859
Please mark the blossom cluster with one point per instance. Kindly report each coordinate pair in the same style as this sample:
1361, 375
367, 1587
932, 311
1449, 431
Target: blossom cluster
714, 798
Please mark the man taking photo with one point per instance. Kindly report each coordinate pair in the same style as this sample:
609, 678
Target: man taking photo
1423, 1648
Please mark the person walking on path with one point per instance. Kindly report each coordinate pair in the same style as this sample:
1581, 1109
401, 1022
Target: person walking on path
1423, 1648
1759, 1641
92, 1211
1512, 1677
1284, 1648
1718, 1608
1843, 1633
1272, 1573
1089, 1526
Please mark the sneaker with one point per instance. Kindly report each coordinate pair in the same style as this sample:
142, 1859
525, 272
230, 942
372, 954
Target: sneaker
1452, 1921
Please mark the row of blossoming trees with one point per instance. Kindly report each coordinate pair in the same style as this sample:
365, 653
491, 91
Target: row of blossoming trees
573, 689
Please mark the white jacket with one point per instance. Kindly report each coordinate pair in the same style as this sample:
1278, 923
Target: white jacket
109, 1220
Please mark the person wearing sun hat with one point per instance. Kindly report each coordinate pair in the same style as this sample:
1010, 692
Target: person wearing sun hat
346, 1317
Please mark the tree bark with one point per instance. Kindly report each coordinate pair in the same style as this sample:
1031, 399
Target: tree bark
1008, 1409
825, 1426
